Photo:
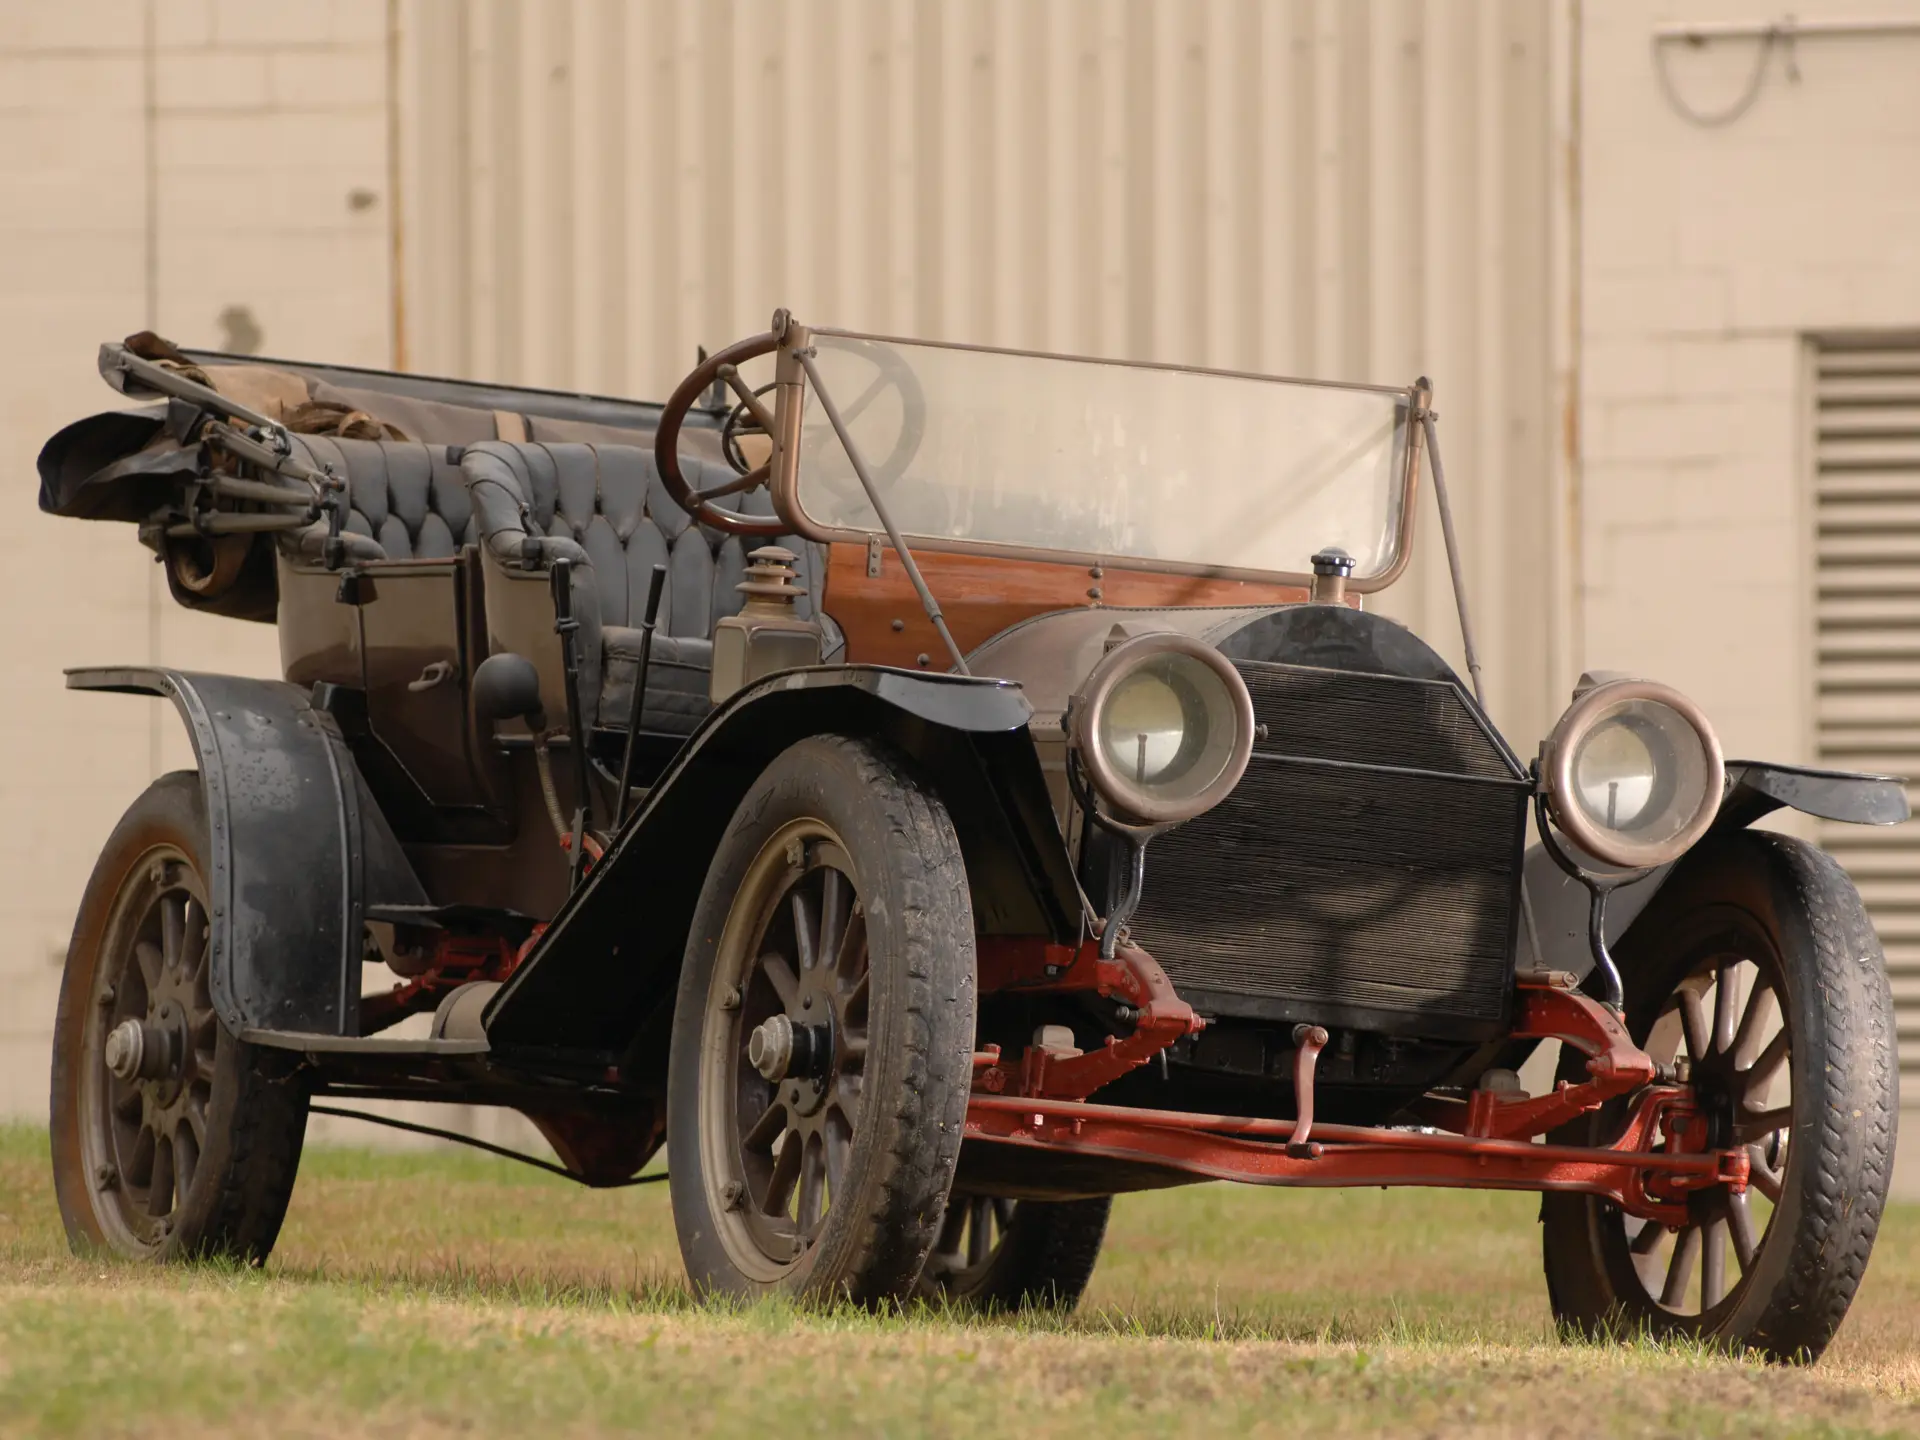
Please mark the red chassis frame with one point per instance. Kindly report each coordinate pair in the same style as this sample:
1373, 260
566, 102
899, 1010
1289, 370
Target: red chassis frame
1480, 1143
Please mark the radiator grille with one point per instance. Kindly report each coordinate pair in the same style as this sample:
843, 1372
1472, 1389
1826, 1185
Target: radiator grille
1365, 872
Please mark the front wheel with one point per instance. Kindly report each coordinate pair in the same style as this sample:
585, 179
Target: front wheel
170, 1139
997, 1254
1757, 964
823, 1033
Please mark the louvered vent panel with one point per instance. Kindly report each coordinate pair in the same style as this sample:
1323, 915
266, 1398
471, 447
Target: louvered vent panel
1868, 614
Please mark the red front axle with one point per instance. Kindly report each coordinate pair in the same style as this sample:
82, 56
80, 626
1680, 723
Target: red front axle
1483, 1142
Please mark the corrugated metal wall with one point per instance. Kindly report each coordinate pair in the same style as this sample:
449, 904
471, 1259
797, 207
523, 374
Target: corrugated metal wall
1325, 187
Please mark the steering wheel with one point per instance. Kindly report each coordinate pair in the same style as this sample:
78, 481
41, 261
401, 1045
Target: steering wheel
722, 365
750, 416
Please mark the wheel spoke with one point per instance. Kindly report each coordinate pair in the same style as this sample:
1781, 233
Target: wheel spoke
1749, 1128
1651, 1233
1725, 995
147, 956
1764, 1177
1713, 1265
812, 1205
833, 913
979, 1231
852, 947
754, 406
852, 1054
1686, 1249
1762, 1004
752, 480
953, 1229
786, 1170
806, 931
1003, 1212
186, 1156
160, 1187
194, 1117
839, 1133
173, 931
767, 1128
127, 1102
856, 1006
1740, 1225
1693, 1020
140, 1158
780, 975
1758, 1076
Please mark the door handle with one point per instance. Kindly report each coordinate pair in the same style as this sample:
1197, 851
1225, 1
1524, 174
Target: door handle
434, 674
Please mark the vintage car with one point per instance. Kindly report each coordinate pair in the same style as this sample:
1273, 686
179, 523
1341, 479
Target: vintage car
932, 790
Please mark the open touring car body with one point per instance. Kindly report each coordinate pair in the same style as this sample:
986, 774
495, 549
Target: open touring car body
540, 649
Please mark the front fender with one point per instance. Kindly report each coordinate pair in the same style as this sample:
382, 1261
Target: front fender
611, 957
1554, 918
298, 848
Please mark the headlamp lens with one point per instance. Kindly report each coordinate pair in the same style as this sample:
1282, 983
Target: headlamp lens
1640, 772
1168, 730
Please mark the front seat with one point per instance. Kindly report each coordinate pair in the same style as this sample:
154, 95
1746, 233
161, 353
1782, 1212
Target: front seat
605, 508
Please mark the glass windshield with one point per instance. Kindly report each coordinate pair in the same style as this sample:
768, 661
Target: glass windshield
1182, 467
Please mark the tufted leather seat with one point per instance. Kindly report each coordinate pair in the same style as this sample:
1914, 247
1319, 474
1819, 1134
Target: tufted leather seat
407, 499
604, 508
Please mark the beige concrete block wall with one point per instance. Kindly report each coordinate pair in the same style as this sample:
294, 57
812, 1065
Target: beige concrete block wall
232, 157
1708, 255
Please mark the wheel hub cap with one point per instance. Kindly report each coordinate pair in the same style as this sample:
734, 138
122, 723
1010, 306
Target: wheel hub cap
778, 1048
145, 1050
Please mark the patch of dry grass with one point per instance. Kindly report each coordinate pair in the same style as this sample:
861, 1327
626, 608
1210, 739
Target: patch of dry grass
428, 1294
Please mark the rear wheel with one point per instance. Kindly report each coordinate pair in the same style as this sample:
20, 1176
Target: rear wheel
823, 1033
169, 1139
996, 1254
1758, 967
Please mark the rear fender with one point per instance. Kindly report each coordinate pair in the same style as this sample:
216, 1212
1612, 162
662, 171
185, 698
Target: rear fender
299, 849
1554, 920
611, 958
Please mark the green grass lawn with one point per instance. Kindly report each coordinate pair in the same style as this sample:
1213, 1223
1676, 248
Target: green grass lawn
432, 1293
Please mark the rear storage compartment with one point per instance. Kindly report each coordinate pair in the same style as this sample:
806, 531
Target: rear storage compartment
1364, 875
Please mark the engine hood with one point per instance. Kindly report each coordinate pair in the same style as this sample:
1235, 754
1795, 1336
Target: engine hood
1049, 655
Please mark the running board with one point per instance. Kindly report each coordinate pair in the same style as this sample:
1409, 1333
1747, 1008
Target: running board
315, 1044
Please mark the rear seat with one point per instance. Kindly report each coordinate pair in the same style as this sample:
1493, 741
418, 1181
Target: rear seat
604, 507
407, 498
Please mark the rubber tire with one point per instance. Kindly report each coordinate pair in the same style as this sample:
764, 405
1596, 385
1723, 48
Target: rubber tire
256, 1123
919, 915
1044, 1263
1845, 1078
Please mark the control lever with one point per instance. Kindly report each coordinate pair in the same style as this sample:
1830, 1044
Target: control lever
568, 629
654, 589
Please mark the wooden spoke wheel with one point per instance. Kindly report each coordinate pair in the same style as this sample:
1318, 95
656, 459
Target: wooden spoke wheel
168, 1138
1000, 1254
792, 1018
1725, 1021
822, 1047
1757, 967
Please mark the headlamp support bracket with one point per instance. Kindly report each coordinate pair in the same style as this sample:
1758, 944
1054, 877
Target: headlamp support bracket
1599, 887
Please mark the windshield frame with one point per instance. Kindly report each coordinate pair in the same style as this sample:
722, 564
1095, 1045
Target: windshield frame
790, 395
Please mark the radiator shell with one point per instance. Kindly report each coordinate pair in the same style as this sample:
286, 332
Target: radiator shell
1364, 874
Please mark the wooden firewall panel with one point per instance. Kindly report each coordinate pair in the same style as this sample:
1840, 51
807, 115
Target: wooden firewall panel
981, 595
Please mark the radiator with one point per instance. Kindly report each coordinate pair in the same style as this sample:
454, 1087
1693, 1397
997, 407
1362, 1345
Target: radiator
1364, 874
